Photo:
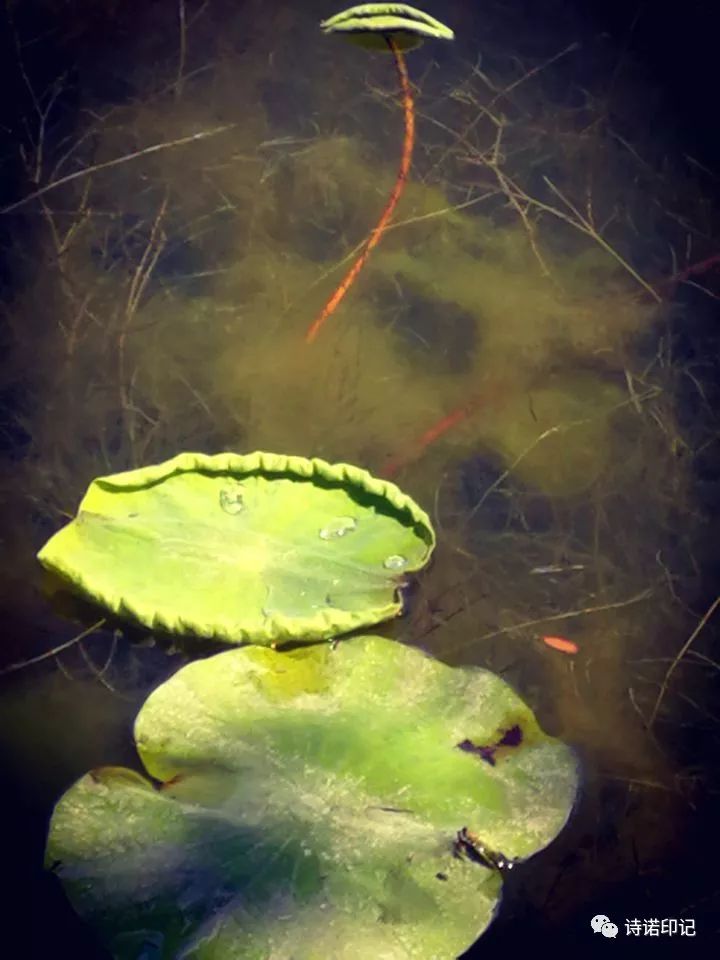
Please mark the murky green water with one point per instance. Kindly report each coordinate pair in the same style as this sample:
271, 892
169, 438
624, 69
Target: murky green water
515, 354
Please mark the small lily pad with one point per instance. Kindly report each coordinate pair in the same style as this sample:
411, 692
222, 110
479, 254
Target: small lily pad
372, 24
309, 807
258, 548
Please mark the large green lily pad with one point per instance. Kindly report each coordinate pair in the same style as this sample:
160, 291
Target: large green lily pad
308, 809
259, 548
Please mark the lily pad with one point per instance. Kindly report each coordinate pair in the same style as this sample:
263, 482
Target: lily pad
372, 24
308, 808
258, 548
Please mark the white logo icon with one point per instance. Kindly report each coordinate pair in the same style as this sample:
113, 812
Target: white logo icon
598, 922
609, 930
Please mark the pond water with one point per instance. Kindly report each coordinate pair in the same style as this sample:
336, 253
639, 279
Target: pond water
530, 352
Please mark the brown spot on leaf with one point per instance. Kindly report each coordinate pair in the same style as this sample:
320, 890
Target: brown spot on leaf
492, 752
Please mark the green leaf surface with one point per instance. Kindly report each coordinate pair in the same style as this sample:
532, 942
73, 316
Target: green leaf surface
369, 24
308, 810
258, 548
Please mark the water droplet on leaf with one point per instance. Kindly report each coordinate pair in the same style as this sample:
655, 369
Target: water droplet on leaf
338, 527
395, 562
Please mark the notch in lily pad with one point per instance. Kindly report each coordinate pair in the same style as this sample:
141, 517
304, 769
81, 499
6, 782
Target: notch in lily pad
261, 548
373, 24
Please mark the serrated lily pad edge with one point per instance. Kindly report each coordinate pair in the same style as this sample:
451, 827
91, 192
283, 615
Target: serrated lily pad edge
386, 17
272, 463
267, 464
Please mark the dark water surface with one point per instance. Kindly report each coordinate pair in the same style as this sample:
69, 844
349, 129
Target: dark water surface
551, 271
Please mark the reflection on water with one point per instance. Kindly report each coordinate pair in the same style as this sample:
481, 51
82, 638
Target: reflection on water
522, 354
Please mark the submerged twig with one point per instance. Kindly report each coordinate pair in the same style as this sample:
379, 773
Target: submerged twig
140, 279
583, 224
680, 654
99, 672
94, 168
567, 615
182, 53
55, 650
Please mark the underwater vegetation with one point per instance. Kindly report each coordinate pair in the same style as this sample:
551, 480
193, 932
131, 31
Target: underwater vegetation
195, 297
266, 550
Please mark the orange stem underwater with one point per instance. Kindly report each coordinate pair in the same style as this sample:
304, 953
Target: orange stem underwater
442, 426
490, 399
382, 224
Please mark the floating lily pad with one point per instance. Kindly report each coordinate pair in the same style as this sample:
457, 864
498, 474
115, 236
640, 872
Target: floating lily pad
308, 808
258, 548
372, 24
